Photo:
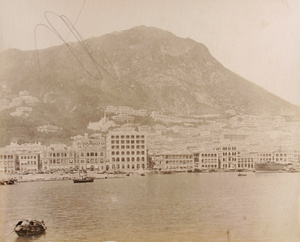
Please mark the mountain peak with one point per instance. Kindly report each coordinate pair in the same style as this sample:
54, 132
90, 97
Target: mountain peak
143, 67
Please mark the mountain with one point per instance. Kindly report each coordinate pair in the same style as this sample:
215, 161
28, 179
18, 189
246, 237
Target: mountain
143, 67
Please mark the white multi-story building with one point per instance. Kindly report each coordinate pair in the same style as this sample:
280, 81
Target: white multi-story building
7, 162
208, 160
29, 162
57, 158
228, 155
90, 153
126, 150
174, 161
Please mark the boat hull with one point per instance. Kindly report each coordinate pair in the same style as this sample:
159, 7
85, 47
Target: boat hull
30, 228
84, 180
270, 167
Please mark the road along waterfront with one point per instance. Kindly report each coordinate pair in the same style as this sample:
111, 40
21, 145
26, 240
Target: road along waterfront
175, 207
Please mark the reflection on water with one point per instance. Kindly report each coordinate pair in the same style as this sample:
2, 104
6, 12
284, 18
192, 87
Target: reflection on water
30, 238
178, 207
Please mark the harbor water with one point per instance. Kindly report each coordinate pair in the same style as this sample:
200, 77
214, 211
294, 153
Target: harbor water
173, 207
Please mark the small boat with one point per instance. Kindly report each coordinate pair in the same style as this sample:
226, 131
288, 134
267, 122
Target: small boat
30, 227
83, 179
167, 172
242, 174
8, 182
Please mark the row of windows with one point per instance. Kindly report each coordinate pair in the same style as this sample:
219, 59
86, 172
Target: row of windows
209, 161
281, 155
228, 148
178, 162
265, 159
58, 154
128, 141
179, 156
129, 166
210, 166
245, 160
28, 157
179, 167
128, 152
117, 159
246, 166
92, 154
6, 156
25, 169
28, 163
7, 162
229, 153
128, 136
92, 161
280, 159
128, 147
229, 159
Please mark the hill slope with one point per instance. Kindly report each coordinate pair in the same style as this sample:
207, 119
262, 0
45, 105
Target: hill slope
143, 67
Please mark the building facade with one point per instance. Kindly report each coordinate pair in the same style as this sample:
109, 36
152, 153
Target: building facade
126, 150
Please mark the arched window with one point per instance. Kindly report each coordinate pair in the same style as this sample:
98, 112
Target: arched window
118, 159
127, 159
123, 159
132, 158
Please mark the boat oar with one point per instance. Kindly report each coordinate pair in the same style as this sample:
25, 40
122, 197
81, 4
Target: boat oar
228, 235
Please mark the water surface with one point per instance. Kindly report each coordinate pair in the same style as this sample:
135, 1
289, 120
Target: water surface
177, 207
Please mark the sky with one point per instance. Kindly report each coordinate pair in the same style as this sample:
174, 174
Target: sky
257, 39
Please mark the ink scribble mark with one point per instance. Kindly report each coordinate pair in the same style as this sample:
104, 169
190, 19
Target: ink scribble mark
86, 48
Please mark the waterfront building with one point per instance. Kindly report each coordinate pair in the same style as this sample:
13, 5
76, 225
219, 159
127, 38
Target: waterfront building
174, 161
8, 162
228, 155
208, 160
29, 162
281, 156
90, 152
246, 161
57, 158
126, 150
265, 157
